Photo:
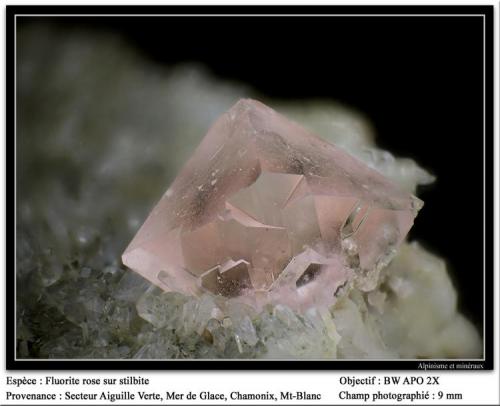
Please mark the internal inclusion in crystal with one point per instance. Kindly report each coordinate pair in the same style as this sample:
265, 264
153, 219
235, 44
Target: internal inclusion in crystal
265, 211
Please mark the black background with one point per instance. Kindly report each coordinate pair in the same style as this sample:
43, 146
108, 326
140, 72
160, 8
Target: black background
418, 79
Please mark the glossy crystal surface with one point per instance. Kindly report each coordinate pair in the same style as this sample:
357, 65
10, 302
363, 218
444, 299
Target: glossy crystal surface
265, 211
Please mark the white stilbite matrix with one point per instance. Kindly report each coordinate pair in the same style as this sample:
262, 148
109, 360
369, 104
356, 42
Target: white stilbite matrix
75, 300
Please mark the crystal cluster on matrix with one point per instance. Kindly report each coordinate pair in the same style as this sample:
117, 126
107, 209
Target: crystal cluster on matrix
267, 212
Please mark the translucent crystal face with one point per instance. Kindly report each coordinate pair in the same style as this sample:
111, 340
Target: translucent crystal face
265, 211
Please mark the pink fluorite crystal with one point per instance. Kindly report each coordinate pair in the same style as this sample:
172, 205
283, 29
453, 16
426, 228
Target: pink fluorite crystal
265, 211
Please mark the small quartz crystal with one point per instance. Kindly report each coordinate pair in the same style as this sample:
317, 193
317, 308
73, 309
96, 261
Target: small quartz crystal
266, 212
